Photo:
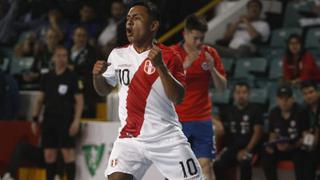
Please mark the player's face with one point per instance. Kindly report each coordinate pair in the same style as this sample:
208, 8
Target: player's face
80, 36
241, 95
193, 38
310, 95
285, 103
138, 26
60, 57
294, 45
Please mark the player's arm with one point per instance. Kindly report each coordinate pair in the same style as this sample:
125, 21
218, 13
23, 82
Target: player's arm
172, 87
99, 82
219, 80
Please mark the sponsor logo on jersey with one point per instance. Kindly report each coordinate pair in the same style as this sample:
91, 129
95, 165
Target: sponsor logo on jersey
148, 67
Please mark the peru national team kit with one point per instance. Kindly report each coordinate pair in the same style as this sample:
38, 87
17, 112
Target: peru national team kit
150, 132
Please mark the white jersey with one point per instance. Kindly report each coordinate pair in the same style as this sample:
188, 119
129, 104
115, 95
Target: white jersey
145, 111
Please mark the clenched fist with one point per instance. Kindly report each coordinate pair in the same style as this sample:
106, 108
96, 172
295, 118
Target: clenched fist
100, 67
155, 56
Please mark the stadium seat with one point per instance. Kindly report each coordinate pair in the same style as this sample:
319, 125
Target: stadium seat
280, 36
259, 95
292, 13
275, 71
4, 65
20, 65
221, 97
228, 64
297, 94
246, 66
313, 39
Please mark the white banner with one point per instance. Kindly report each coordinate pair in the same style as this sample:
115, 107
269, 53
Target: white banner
94, 148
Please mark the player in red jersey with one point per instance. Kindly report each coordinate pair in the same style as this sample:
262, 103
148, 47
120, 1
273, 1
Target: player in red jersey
202, 64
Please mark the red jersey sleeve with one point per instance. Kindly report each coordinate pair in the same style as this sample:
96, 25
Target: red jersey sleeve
177, 68
217, 60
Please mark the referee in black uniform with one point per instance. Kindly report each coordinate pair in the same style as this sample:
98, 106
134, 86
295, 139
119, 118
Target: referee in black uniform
288, 121
242, 124
62, 99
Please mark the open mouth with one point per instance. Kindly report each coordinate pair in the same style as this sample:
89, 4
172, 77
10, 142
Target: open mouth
129, 31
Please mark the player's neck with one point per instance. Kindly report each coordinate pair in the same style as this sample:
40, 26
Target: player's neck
142, 47
188, 48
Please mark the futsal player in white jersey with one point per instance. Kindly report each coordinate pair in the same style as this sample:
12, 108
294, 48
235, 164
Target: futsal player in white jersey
150, 78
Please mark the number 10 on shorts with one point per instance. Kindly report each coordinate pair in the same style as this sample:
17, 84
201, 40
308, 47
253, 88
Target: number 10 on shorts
189, 165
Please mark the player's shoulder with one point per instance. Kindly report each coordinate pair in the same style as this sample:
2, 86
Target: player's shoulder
120, 49
168, 52
209, 48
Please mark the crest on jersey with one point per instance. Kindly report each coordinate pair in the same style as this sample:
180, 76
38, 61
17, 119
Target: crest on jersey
148, 67
114, 162
205, 66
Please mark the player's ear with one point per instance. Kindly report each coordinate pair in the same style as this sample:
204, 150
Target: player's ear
155, 25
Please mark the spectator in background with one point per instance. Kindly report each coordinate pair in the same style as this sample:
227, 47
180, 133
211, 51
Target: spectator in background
108, 38
43, 63
87, 20
242, 124
61, 95
82, 58
242, 36
298, 63
27, 46
54, 21
287, 123
203, 66
311, 137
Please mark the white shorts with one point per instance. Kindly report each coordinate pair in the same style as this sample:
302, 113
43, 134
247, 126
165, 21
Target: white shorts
172, 157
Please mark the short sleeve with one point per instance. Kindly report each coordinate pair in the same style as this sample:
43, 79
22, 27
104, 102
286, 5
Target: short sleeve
177, 68
43, 81
217, 60
110, 73
258, 119
77, 85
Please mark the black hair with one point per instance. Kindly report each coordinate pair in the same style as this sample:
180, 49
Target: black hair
259, 3
307, 84
194, 22
152, 9
289, 55
242, 83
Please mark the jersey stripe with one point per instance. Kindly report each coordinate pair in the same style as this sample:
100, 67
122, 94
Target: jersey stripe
138, 92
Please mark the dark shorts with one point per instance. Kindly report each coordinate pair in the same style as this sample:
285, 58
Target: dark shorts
201, 137
55, 134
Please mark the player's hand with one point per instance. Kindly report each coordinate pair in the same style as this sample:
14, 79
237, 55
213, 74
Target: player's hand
74, 128
283, 147
155, 56
209, 60
34, 128
100, 67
